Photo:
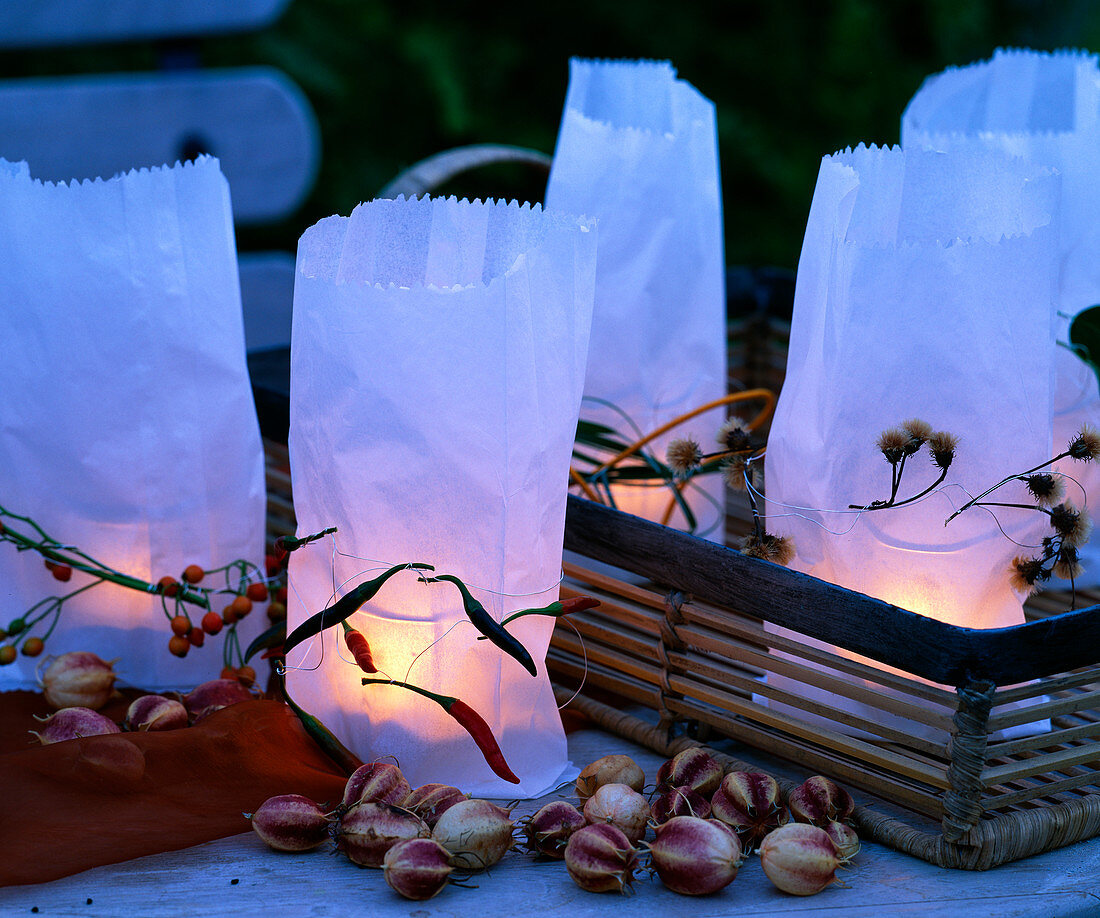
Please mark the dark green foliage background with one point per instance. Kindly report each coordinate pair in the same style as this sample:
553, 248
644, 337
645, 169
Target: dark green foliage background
393, 81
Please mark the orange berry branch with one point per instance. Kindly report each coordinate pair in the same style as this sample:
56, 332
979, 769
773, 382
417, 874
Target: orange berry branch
188, 607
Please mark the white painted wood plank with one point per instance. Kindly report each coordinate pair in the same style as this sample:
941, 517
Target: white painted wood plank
40, 23
267, 297
239, 876
254, 120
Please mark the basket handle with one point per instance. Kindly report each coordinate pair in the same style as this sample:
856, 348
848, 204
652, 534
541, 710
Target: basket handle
430, 173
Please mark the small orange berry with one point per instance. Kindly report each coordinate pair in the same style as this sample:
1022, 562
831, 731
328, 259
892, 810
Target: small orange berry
246, 675
271, 565
229, 614
33, 646
228, 672
193, 573
276, 611
280, 595
169, 586
181, 625
211, 623
196, 636
60, 572
242, 605
257, 592
178, 645
7, 654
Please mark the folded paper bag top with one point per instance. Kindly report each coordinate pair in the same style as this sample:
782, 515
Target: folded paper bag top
637, 149
438, 358
127, 426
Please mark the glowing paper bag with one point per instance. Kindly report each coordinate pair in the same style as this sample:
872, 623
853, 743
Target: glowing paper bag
1044, 108
438, 357
638, 150
924, 291
127, 426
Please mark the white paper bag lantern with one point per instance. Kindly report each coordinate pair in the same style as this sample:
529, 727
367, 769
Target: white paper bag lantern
1044, 108
438, 360
127, 426
924, 291
638, 150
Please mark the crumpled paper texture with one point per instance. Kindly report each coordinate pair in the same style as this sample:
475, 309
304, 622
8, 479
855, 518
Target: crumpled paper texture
127, 425
924, 290
637, 149
438, 358
1045, 108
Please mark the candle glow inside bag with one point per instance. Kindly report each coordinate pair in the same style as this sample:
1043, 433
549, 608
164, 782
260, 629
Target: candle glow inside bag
924, 291
438, 360
637, 150
127, 426
1044, 108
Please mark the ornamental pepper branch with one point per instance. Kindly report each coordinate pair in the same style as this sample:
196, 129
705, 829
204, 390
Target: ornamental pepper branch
243, 583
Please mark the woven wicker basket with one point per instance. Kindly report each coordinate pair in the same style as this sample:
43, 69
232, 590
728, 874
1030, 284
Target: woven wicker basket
681, 630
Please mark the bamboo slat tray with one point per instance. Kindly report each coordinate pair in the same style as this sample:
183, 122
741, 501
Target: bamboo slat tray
682, 629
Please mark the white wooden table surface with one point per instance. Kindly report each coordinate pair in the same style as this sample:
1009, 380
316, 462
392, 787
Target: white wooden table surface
241, 877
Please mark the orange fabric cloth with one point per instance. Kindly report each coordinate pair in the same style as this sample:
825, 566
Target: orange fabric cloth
100, 800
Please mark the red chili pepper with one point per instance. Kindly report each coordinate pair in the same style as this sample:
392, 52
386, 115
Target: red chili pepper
360, 648
475, 725
577, 604
472, 722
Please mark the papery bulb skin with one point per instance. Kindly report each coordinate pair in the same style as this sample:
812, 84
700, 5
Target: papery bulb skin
73, 723
79, 679
600, 858
417, 868
845, 838
818, 800
478, 833
430, 801
376, 782
368, 830
548, 831
748, 802
695, 857
694, 768
152, 713
214, 695
621, 806
290, 822
799, 859
610, 769
680, 801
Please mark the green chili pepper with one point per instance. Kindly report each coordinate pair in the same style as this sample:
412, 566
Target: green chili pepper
489, 627
347, 760
345, 606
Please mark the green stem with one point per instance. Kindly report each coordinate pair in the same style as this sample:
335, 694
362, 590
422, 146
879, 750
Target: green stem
444, 701
1018, 476
52, 550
